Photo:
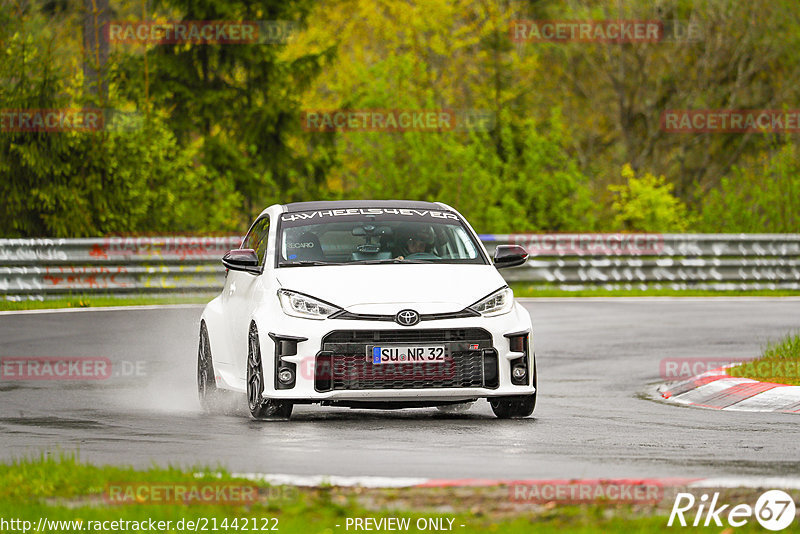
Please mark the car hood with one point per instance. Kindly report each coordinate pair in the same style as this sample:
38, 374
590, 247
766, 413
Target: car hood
392, 287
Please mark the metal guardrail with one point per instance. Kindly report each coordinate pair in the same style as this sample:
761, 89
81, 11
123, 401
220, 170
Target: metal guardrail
38, 268
45, 268
718, 262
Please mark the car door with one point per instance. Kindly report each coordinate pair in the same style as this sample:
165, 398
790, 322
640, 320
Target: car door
239, 290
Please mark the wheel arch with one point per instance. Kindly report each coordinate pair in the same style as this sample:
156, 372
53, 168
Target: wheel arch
267, 347
213, 319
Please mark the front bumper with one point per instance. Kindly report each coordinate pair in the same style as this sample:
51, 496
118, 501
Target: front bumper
329, 363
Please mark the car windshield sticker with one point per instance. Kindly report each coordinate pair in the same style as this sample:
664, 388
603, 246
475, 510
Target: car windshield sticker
320, 214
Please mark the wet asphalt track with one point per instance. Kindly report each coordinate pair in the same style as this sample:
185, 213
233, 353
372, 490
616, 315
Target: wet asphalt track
594, 419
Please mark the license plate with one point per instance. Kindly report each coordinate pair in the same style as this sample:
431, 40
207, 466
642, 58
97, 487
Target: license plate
406, 354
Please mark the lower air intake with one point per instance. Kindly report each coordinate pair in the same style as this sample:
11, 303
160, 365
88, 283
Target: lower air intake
344, 356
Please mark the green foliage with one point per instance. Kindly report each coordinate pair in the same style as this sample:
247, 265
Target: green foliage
243, 100
220, 135
646, 204
82, 185
88, 183
536, 187
206, 149
543, 185
762, 196
515, 175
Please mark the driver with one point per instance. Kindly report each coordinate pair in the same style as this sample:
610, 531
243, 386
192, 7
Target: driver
419, 242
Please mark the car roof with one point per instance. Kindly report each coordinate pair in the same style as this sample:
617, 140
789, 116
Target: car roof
344, 204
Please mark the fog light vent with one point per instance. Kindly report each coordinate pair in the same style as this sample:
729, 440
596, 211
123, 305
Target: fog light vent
518, 342
285, 372
286, 375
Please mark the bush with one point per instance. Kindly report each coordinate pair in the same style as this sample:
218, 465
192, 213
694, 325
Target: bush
647, 204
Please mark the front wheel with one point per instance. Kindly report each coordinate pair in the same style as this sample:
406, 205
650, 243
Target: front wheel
516, 406
508, 407
261, 408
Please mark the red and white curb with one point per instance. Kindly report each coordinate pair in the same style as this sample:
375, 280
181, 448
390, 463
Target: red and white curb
716, 389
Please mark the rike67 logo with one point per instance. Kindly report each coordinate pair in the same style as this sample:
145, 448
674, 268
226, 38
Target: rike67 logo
774, 510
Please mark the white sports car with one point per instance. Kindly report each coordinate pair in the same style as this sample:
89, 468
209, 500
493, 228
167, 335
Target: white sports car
366, 304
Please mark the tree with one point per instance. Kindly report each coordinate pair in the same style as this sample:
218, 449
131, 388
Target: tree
434, 54
115, 180
242, 100
613, 94
761, 195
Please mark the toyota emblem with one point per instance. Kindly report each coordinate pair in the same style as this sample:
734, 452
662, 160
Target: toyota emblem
407, 318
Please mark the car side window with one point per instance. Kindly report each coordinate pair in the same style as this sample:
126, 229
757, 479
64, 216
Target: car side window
257, 238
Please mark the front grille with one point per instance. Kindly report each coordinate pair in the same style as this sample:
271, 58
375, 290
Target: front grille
430, 335
344, 365
390, 318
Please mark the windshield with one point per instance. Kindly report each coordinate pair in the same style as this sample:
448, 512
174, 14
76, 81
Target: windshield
375, 235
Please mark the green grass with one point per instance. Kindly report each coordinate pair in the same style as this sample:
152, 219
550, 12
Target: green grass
59, 487
779, 363
522, 289
87, 301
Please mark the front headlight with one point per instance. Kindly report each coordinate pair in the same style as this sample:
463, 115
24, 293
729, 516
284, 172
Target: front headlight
498, 303
299, 305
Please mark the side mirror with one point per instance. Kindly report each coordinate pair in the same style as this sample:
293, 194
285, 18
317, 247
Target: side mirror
242, 259
509, 256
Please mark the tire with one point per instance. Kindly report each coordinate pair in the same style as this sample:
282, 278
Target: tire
207, 391
508, 407
261, 408
517, 406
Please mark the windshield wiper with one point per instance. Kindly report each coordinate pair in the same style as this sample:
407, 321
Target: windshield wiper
315, 263
390, 260
308, 263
